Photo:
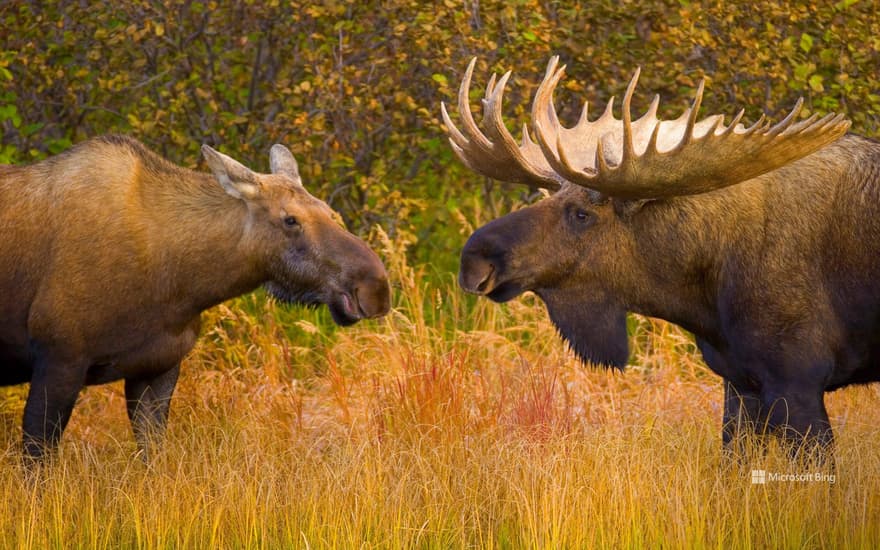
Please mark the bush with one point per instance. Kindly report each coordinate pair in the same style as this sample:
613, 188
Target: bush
353, 87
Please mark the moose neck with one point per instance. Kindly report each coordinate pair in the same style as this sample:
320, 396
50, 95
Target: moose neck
679, 246
209, 259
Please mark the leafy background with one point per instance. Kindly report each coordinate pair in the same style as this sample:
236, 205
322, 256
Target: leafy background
451, 422
354, 87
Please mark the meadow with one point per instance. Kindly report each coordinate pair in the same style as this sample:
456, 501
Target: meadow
452, 422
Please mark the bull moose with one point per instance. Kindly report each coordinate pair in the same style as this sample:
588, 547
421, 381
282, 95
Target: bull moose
763, 241
109, 253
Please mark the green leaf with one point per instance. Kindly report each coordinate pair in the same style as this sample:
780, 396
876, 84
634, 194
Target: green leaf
58, 145
803, 70
806, 42
10, 112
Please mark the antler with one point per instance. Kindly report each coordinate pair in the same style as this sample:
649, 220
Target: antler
498, 155
649, 158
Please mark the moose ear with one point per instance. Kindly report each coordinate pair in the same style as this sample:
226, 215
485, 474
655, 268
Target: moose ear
238, 180
281, 162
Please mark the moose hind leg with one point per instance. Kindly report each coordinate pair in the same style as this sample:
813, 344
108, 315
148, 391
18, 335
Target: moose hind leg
148, 399
799, 416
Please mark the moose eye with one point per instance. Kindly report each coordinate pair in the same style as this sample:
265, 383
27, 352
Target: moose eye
290, 221
582, 215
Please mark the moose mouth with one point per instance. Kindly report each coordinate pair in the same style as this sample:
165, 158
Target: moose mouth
344, 307
505, 292
476, 280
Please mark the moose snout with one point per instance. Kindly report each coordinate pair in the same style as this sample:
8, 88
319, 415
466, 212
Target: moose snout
373, 295
488, 257
364, 286
476, 273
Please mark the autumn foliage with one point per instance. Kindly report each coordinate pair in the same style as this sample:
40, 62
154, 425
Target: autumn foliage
451, 422
354, 87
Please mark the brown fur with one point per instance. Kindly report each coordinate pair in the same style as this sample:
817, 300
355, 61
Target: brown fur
109, 254
778, 277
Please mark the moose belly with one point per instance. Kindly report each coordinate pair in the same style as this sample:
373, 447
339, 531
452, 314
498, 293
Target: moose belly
103, 373
152, 355
14, 368
858, 366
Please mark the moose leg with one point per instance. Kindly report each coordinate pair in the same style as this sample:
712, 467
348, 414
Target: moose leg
55, 386
742, 404
148, 399
742, 408
797, 413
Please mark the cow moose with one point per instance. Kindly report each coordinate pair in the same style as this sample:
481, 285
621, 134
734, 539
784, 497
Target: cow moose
763, 241
109, 254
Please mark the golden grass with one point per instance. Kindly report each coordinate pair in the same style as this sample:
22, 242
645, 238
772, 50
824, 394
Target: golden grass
450, 423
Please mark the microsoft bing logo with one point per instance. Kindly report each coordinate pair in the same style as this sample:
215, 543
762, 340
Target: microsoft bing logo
763, 477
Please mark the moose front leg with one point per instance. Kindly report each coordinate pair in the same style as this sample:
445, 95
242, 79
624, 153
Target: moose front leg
742, 403
55, 386
742, 409
148, 399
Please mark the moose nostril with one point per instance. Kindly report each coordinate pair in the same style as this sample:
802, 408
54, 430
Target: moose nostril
373, 298
484, 284
477, 274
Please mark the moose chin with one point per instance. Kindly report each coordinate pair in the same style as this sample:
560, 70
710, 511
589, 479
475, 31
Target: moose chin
763, 241
110, 254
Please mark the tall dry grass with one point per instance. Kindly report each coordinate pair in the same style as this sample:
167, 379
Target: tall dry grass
450, 423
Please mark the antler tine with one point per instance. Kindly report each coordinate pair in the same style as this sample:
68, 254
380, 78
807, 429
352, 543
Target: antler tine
551, 67
492, 108
456, 137
650, 118
652, 109
608, 113
831, 121
807, 122
651, 148
492, 115
495, 155
628, 147
648, 158
692, 116
551, 73
473, 145
490, 86
734, 122
633, 159
757, 126
464, 109
786, 122
548, 130
585, 114
601, 163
